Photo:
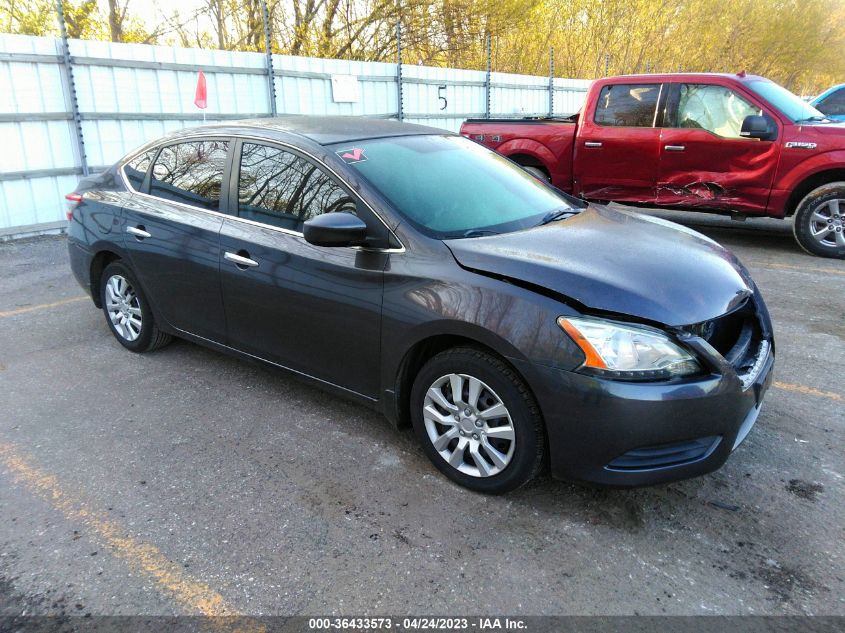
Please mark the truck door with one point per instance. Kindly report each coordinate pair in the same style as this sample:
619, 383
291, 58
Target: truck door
617, 148
704, 162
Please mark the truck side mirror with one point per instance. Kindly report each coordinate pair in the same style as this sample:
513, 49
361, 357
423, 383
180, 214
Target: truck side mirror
759, 127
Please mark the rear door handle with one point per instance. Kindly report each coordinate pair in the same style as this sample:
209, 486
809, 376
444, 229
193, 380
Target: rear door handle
240, 261
138, 231
592, 144
674, 148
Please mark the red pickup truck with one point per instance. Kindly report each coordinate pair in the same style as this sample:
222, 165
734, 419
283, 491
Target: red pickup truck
733, 144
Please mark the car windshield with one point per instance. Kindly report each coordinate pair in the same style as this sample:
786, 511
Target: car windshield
450, 187
790, 105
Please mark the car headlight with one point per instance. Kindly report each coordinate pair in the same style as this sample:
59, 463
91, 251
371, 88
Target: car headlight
627, 352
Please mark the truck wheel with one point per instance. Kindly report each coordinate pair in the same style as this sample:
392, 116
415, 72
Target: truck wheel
819, 223
538, 173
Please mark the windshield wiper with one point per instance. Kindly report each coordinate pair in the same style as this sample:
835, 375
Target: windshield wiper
479, 233
810, 119
557, 214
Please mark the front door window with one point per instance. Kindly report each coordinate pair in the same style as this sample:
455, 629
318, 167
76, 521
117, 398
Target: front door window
283, 189
716, 109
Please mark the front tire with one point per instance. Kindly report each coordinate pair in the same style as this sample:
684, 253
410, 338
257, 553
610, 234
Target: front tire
127, 310
477, 421
819, 223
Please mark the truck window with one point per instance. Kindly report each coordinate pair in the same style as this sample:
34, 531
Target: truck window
717, 109
833, 104
627, 105
792, 107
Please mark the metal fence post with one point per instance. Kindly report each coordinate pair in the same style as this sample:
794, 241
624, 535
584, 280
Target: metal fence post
74, 104
487, 78
399, 69
606, 65
271, 81
551, 82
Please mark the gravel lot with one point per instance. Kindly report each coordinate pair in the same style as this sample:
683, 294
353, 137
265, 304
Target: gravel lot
185, 481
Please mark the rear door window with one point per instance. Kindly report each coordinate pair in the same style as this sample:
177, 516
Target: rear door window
190, 173
283, 189
627, 105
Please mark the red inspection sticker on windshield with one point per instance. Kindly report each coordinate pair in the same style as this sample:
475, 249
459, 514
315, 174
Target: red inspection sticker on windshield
353, 155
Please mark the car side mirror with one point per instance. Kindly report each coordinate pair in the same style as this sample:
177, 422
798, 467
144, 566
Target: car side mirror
335, 229
759, 127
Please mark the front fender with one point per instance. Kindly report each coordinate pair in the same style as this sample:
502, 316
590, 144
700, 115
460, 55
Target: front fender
788, 181
463, 329
540, 338
513, 321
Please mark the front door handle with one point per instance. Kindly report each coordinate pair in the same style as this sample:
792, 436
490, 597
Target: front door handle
674, 148
592, 144
241, 261
138, 231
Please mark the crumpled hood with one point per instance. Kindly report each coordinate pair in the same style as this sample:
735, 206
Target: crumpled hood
617, 261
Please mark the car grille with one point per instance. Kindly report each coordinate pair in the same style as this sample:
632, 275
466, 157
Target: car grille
738, 336
666, 455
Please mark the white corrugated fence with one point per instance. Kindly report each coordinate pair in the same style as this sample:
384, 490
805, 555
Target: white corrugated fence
128, 94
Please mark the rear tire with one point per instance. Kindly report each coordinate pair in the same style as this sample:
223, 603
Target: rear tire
538, 173
819, 222
497, 443
127, 310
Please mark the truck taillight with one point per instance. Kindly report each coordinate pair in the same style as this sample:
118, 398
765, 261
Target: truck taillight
72, 200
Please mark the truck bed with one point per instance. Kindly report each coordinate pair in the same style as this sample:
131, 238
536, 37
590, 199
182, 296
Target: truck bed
542, 142
568, 118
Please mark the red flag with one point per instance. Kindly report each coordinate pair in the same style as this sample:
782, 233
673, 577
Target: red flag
201, 98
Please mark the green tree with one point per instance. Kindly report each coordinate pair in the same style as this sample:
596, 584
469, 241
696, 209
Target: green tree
28, 17
83, 20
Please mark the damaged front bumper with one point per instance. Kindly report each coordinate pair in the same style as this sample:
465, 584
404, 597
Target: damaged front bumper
633, 434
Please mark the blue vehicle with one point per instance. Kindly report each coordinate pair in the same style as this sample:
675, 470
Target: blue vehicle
831, 103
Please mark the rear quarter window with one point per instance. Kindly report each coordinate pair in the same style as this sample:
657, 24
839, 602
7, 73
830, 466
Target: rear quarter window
136, 169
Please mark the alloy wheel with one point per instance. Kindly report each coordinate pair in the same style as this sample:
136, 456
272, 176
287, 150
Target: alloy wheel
469, 425
827, 223
123, 307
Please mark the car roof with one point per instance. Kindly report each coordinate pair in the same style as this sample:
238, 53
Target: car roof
325, 130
